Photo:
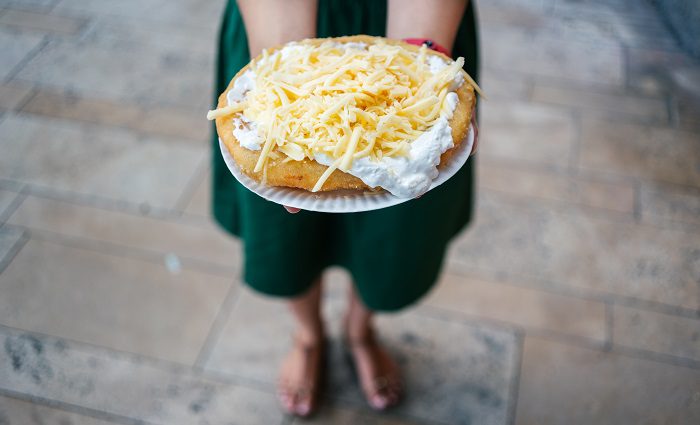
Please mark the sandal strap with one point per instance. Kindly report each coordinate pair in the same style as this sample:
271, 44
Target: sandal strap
369, 340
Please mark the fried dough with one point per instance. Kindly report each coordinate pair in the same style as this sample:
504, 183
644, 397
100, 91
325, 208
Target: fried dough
304, 174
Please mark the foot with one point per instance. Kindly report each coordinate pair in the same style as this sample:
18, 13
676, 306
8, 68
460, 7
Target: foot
377, 372
300, 377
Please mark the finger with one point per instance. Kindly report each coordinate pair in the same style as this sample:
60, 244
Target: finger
291, 210
476, 136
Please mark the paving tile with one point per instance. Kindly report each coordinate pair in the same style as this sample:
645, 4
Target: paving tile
605, 8
189, 12
203, 242
14, 47
6, 198
455, 372
516, 131
661, 333
165, 77
516, 50
63, 291
576, 250
661, 203
241, 350
29, 4
159, 121
42, 22
523, 307
518, 14
200, 203
124, 387
639, 26
646, 152
561, 384
609, 103
19, 412
653, 71
540, 183
10, 241
94, 160
118, 32
11, 95
688, 112
504, 86
342, 416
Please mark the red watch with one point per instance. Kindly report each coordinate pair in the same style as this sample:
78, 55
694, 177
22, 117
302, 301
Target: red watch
429, 43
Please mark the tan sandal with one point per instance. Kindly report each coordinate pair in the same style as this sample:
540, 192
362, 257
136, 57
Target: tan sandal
311, 389
384, 391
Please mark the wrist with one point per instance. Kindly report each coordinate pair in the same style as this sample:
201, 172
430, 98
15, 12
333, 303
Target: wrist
431, 44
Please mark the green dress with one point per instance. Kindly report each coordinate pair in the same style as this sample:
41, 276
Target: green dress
394, 254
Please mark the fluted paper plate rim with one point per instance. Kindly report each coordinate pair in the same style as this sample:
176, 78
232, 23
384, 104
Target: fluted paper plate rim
342, 201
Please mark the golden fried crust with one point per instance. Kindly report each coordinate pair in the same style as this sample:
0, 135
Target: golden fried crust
304, 174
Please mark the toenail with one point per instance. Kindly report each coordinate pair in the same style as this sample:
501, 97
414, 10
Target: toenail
379, 402
303, 408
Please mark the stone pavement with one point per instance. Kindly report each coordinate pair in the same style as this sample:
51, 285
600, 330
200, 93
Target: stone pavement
574, 297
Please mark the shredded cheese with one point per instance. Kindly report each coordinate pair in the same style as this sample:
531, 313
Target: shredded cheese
345, 102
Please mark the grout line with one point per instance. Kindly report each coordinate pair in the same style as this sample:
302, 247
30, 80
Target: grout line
514, 390
13, 251
609, 326
573, 162
625, 66
445, 315
535, 282
91, 348
672, 111
103, 202
14, 205
143, 209
169, 366
54, 4
637, 202
26, 59
28, 98
594, 211
217, 327
656, 356
509, 326
129, 252
191, 186
73, 408
575, 209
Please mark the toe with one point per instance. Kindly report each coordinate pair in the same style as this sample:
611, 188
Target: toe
379, 401
303, 407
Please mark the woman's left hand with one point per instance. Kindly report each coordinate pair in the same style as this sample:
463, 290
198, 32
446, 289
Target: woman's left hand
476, 134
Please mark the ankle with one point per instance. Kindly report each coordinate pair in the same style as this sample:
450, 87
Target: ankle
310, 336
359, 331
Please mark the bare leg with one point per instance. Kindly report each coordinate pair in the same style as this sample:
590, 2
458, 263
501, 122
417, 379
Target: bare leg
301, 368
377, 371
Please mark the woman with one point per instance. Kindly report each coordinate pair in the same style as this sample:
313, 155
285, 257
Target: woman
393, 254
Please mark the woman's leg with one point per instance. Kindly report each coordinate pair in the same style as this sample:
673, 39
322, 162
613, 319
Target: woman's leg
377, 371
299, 377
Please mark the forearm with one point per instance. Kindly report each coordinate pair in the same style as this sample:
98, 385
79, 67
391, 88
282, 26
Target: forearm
437, 20
272, 22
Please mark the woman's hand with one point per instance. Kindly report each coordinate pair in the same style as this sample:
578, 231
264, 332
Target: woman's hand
475, 126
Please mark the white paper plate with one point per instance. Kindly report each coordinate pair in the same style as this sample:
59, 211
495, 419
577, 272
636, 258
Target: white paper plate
342, 201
